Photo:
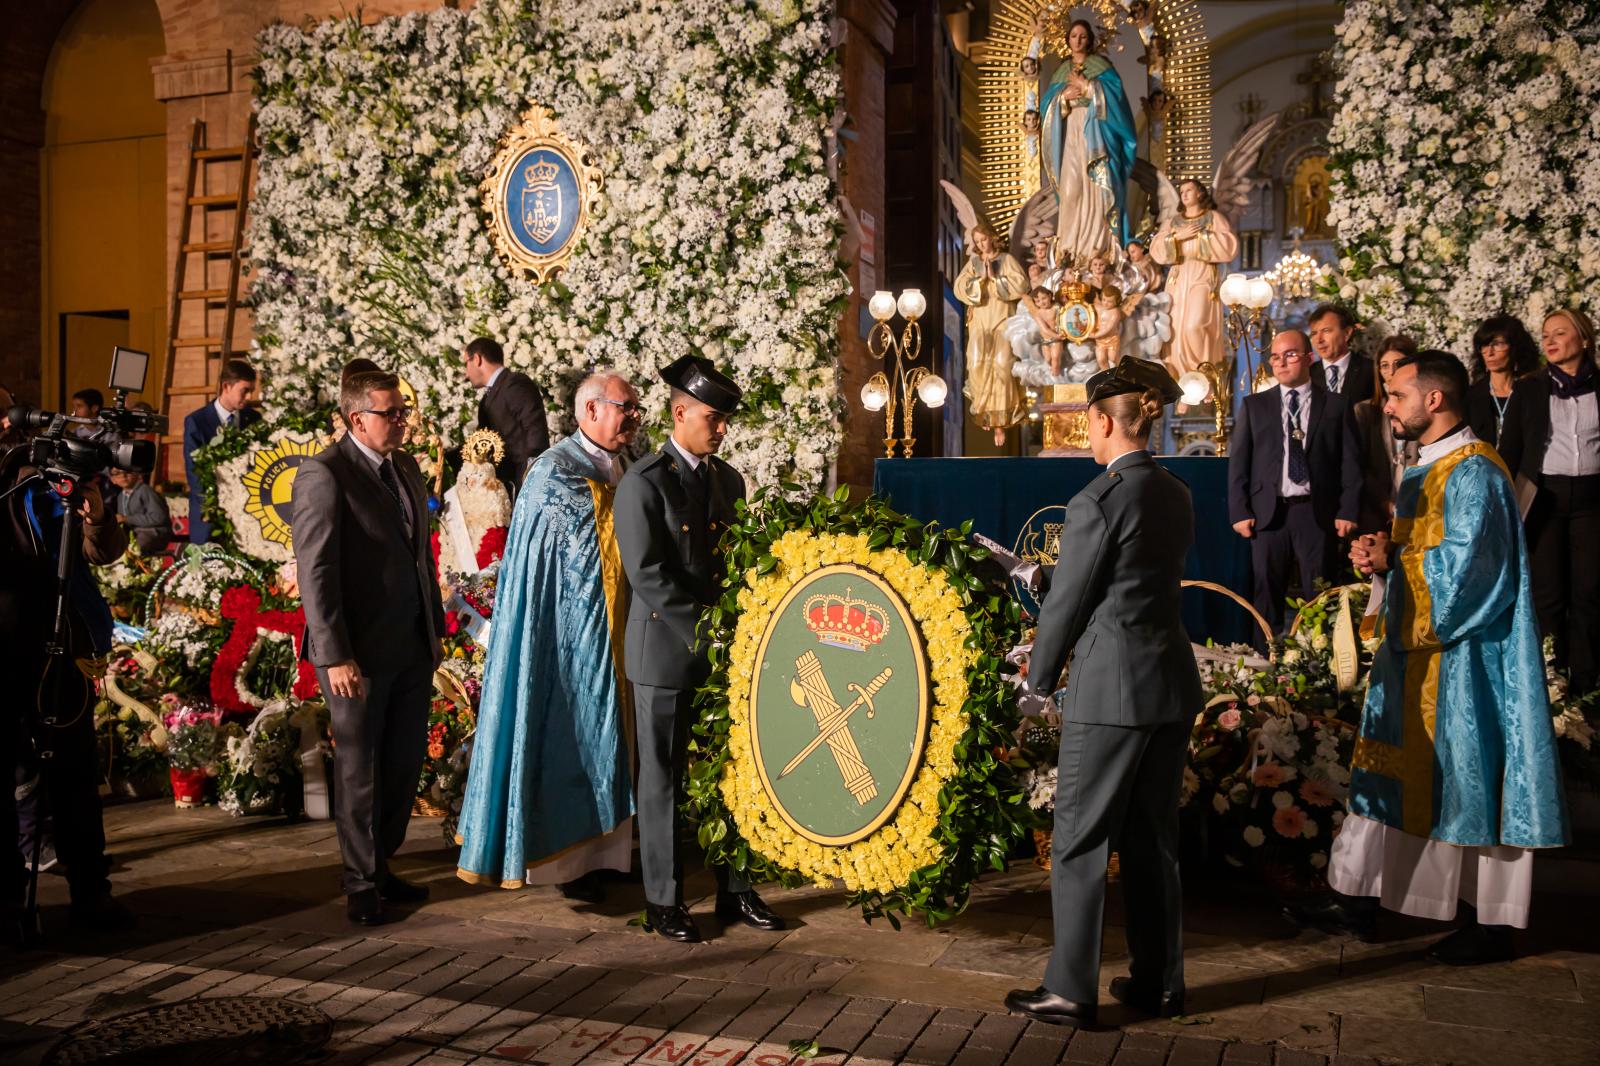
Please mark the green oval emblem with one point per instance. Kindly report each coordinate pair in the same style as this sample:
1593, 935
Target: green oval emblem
839, 704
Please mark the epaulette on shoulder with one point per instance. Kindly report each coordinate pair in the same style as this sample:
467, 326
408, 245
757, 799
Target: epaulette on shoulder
1101, 486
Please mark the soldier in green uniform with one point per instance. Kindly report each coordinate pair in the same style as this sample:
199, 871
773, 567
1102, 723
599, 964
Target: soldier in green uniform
1131, 694
671, 510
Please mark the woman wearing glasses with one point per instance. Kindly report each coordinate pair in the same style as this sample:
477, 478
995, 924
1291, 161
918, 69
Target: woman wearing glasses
1503, 352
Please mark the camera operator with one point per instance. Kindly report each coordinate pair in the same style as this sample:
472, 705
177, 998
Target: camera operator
52, 709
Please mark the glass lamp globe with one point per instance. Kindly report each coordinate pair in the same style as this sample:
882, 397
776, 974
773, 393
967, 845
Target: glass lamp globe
1196, 387
1260, 294
1235, 290
874, 395
932, 390
881, 306
912, 305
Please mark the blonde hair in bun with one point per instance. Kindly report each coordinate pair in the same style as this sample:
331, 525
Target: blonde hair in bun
1133, 412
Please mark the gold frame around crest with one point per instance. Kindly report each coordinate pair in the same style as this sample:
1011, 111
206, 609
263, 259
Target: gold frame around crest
538, 128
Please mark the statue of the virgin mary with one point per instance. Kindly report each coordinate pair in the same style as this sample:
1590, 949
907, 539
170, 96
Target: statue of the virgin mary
1089, 144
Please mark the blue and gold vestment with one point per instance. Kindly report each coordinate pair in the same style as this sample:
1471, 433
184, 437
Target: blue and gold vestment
1456, 742
551, 763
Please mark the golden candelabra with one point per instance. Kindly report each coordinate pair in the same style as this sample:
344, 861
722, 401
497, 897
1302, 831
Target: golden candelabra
1212, 383
900, 383
1247, 322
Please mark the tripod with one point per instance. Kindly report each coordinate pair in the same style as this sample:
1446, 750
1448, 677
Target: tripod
44, 716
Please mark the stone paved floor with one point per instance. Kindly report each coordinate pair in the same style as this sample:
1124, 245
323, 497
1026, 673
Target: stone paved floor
251, 908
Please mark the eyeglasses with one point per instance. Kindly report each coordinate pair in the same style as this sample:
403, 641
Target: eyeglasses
628, 408
393, 414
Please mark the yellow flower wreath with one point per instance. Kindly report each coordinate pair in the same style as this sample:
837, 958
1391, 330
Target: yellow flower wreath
885, 860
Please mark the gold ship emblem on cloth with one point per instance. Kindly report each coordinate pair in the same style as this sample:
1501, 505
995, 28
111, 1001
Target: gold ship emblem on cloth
810, 688
1043, 545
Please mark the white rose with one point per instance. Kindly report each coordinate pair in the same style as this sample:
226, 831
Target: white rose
1254, 836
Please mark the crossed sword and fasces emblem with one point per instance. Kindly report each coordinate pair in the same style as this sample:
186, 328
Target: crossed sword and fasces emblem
810, 688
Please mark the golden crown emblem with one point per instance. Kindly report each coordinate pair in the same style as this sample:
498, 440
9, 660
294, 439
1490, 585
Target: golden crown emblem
542, 173
1072, 290
845, 621
483, 446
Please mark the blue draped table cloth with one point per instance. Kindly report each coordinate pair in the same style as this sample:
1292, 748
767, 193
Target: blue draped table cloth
1001, 495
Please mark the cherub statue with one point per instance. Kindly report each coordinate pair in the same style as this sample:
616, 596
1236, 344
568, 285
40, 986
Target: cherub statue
1107, 335
1041, 265
1099, 274
1141, 264
1042, 308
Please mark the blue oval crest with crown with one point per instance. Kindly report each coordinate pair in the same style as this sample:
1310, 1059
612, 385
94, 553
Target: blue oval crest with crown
540, 192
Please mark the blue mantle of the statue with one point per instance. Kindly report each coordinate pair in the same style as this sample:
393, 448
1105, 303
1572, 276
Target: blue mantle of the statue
1017, 501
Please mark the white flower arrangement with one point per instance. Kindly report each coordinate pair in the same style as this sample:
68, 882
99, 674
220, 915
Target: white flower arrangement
718, 234
1466, 163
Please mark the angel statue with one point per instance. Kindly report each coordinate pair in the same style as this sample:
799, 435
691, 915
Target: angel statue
990, 285
1195, 238
1088, 148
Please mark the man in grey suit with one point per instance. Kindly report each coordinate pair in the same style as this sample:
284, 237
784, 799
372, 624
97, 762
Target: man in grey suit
670, 512
373, 619
1131, 694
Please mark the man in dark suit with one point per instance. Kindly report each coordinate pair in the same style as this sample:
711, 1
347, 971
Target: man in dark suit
373, 619
229, 410
1131, 694
511, 406
1294, 479
1338, 369
671, 510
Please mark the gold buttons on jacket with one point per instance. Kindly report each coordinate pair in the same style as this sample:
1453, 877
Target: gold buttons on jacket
654, 615
686, 528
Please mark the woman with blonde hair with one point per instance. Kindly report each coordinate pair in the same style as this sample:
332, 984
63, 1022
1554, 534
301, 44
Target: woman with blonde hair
1550, 441
1114, 603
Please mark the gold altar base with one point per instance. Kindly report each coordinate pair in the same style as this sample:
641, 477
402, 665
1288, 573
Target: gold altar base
1064, 420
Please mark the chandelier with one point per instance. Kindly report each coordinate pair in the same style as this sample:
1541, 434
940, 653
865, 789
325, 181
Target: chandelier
1296, 274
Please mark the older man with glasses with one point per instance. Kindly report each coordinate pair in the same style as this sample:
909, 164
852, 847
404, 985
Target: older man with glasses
1294, 479
373, 620
549, 795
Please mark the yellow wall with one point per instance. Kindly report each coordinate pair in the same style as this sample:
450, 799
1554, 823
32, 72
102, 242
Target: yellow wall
103, 178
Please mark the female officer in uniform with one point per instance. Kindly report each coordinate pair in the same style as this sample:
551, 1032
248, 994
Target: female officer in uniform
1131, 695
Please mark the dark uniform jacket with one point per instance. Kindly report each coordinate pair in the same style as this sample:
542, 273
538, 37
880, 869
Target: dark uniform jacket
369, 594
667, 535
513, 408
1114, 602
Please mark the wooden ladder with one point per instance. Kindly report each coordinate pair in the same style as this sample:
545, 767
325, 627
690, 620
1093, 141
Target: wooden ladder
216, 347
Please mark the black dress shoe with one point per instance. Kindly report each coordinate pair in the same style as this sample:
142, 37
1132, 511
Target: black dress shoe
1148, 999
365, 908
749, 908
102, 914
1474, 945
1333, 917
393, 890
1043, 1005
674, 923
585, 889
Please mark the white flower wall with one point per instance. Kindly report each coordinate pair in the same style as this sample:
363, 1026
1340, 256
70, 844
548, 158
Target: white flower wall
1466, 159
717, 236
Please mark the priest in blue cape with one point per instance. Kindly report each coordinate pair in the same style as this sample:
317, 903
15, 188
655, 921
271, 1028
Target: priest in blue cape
1089, 142
549, 796
1455, 780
